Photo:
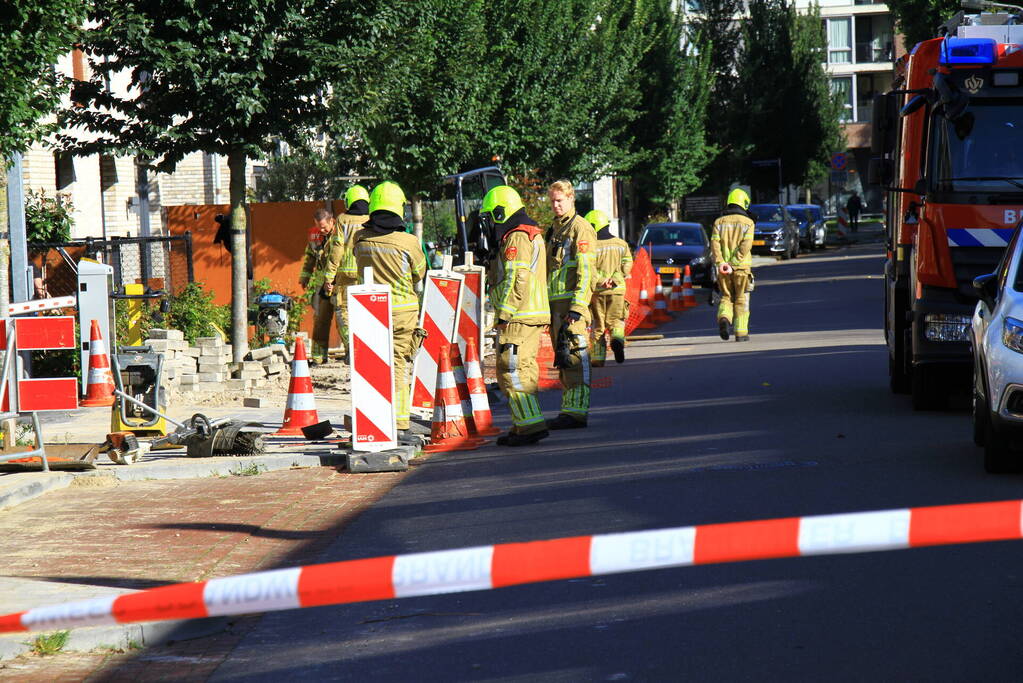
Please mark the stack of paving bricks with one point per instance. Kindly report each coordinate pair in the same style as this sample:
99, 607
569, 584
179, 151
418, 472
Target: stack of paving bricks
208, 365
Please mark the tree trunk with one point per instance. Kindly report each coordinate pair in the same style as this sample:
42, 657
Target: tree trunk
417, 217
673, 210
239, 258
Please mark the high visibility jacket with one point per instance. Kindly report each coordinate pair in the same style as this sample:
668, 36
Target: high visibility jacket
570, 263
518, 278
315, 256
340, 267
731, 239
396, 259
613, 261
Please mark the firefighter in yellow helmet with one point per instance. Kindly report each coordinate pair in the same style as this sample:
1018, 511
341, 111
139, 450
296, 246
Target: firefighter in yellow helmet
731, 240
612, 264
340, 271
517, 280
571, 243
313, 267
397, 260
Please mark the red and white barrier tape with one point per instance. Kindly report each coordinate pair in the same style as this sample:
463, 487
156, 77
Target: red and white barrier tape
41, 305
509, 564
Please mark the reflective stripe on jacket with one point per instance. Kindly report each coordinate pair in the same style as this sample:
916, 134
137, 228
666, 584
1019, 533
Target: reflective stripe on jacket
570, 262
731, 240
613, 261
396, 259
518, 290
340, 267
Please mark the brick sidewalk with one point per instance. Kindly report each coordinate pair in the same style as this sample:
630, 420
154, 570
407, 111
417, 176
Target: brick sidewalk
142, 534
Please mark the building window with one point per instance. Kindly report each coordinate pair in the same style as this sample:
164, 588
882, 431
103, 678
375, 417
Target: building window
874, 39
64, 170
840, 41
843, 87
867, 86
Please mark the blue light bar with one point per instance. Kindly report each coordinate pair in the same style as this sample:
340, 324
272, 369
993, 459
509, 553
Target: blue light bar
969, 51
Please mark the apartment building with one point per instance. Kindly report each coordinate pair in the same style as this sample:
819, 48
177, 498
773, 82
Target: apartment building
862, 44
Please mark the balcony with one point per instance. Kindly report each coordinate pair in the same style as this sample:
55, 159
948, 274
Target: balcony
873, 52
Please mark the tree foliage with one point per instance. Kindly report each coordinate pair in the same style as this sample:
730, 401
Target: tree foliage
35, 34
918, 20
217, 77
671, 132
784, 98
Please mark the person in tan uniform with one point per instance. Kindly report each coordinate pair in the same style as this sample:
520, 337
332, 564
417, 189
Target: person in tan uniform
613, 263
397, 260
517, 280
731, 240
312, 268
571, 243
340, 271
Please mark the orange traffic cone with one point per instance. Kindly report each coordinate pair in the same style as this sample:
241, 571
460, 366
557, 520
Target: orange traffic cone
549, 377
100, 389
463, 389
688, 297
478, 391
644, 304
660, 314
675, 302
449, 431
300, 410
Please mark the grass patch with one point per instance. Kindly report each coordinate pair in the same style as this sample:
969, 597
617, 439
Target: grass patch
50, 643
250, 470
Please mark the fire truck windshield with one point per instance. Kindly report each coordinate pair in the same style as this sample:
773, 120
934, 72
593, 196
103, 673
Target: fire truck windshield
980, 152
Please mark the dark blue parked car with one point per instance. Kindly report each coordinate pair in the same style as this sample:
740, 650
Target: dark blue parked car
677, 245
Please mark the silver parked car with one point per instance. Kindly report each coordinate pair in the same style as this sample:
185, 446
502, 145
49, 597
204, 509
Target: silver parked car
997, 340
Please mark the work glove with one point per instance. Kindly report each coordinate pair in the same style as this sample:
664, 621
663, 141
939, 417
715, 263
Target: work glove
573, 316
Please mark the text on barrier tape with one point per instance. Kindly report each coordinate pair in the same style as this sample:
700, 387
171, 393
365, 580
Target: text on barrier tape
509, 564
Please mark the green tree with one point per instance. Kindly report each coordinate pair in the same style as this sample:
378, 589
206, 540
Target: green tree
788, 112
300, 175
569, 83
425, 108
225, 77
918, 20
677, 82
719, 23
34, 35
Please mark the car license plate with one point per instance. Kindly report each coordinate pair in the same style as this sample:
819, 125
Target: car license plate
669, 269
759, 243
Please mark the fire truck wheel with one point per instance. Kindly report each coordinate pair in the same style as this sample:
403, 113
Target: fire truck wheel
928, 390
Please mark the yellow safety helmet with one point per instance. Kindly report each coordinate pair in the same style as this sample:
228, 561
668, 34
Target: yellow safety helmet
387, 196
355, 193
598, 219
501, 202
738, 197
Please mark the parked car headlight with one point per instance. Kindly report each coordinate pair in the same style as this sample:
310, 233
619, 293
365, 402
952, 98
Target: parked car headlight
699, 260
947, 327
1012, 334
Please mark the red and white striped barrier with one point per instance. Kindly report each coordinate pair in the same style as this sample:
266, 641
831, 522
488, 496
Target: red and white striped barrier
442, 296
509, 564
470, 320
42, 305
371, 343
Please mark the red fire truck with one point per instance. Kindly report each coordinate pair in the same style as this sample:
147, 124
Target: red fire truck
948, 150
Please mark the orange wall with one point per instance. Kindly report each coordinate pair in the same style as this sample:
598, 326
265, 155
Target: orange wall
279, 235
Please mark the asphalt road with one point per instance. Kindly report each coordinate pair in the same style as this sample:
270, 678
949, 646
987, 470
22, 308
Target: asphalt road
695, 430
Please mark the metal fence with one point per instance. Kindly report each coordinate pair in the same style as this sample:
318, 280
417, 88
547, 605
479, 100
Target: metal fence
161, 264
